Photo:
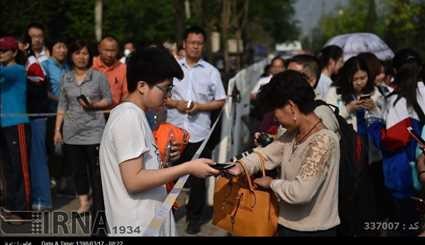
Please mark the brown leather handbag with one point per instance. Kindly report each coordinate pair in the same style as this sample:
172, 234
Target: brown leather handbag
242, 209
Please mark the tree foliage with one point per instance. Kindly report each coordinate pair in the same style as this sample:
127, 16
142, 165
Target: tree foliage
144, 20
399, 22
358, 16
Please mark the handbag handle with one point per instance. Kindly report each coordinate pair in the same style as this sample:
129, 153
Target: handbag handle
248, 177
262, 162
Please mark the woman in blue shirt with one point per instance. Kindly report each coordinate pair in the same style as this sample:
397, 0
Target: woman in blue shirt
55, 67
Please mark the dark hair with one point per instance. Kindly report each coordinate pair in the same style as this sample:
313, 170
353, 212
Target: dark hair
27, 38
327, 54
388, 68
285, 86
35, 25
180, 47
21, 57
374, 65
109, 37
344, 83
151, 65
54, 42
277, 58
266, 71
310, 64
75, 46
195, 30
408, 72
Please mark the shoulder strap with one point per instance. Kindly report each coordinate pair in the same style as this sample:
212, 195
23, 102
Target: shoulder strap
419, 111
335, 109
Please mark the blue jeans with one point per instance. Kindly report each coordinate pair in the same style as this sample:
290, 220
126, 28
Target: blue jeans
40, 180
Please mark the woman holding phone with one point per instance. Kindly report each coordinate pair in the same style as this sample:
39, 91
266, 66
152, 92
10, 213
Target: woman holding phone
308, 156
355, 94
80, 123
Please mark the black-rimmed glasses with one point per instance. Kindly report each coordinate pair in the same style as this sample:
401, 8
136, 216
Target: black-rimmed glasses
167, 90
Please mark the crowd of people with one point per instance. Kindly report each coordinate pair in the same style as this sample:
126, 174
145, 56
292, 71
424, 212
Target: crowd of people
72, 119
380, 100
56, 101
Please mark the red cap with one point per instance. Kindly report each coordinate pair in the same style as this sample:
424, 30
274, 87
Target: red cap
8, 43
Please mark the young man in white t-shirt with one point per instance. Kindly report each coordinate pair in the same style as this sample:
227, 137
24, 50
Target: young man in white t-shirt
133, 183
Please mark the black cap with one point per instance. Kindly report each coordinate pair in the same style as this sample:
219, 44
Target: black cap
151, 65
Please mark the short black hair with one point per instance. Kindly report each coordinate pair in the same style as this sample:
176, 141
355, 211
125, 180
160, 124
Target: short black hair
75, 46
109, 37
151, 65
310, 63
27, 38
52, 43
195, 30
285, 86
35, 25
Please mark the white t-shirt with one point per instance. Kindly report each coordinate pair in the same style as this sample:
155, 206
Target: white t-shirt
127, 136
324, 85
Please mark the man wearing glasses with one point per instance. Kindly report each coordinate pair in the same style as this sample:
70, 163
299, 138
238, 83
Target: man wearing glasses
200, 92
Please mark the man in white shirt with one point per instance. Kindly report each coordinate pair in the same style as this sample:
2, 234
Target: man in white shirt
133, 181
193, 99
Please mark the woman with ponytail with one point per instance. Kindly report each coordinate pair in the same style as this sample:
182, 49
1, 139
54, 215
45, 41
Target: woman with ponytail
331, 61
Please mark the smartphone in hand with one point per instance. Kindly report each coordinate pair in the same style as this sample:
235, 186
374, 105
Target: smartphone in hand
223, 166
84, 99
365, 96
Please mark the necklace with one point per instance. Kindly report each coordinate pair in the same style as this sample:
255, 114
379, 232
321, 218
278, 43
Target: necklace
297, 142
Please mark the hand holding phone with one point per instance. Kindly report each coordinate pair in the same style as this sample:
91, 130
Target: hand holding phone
223, 166
85, 100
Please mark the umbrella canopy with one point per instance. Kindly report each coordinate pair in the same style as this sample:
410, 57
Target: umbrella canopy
356, 43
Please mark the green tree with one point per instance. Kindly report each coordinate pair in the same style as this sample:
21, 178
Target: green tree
275, 17
358, 16
160, 20
405, 24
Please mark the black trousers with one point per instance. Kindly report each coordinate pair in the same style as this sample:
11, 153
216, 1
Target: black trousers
57, 166
198, 192
14, 155
84, 160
